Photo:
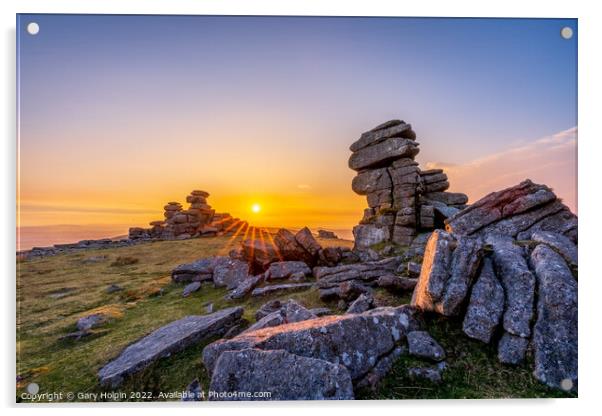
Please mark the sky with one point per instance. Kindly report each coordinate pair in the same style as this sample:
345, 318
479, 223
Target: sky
120, 114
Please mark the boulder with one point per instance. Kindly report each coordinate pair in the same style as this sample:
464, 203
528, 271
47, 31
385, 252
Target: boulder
199, 271
380, 154
370, 181
268, 308
295, 312
367, 235
563, 222
284, 375
511, 349
357, 341
518, 282
380, 370
273, 319
414, 269
396, 283
361, 304
260, 254
330, 256
498, 205
306, 239
290, 249
434, 274
285, 269
289, 287
229, 273
486, 305
555, 331
421, 344
381, 133
465, 264
367, 272
245, 287
165, 341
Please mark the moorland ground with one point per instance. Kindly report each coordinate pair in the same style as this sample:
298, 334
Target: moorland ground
53, 292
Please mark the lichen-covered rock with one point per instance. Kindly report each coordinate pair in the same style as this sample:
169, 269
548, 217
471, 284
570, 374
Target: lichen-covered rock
306, 240
511, 349
288, 287
295, 312
435, 270
383, 152
560, 243
167, 340
370, 181
363, 303
393, 128
285, 269
498, 205
519, 284
486, 305
290, 249
421, 344
199, 270
229, 273
356, 341
555, 331
245, 287
396, 283
367, 235
284, 375
267, 308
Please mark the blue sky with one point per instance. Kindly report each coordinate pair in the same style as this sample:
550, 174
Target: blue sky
271, 94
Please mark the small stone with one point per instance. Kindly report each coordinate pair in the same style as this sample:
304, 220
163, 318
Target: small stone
190, 288
421, 344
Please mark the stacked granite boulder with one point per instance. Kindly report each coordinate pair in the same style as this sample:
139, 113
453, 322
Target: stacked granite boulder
198, 220
402, 199
507, 266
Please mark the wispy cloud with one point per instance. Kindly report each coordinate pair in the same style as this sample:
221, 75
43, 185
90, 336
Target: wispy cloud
303, 186
96, 210
551, 160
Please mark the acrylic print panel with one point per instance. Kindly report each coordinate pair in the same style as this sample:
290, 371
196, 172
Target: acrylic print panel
238, 208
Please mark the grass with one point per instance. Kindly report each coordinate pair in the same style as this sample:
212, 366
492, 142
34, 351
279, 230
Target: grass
53, 292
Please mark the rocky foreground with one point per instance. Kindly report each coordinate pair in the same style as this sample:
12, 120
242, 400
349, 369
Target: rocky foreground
505, 267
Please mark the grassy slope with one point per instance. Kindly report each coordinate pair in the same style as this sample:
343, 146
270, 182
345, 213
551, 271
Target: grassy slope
53, 292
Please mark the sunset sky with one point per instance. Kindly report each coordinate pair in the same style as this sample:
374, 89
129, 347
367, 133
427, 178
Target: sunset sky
119, 115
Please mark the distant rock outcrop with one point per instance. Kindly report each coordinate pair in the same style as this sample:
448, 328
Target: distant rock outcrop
402, 199
198, 220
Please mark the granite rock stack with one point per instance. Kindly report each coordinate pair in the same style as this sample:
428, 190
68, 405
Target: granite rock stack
402, 199
196, 221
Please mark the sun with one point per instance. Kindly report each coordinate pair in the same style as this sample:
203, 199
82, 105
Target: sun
256, 208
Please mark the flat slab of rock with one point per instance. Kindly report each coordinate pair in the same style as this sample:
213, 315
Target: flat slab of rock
356, 341
382, 132
284, 375
486, 305
167, 340
555, 331
271, 289
245, 287
498, 205
382, 153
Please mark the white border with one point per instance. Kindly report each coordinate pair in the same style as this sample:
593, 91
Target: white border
590, 137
